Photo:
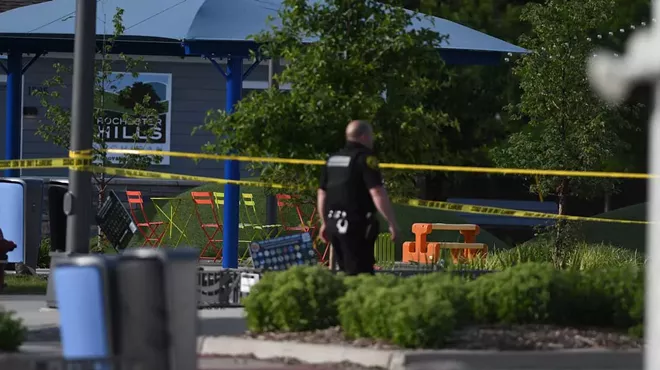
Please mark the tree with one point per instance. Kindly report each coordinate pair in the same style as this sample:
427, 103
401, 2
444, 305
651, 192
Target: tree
365, 63
137, 105
567, 126
478, 93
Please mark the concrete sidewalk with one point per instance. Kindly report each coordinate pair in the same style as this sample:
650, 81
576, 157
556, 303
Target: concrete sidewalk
39, 319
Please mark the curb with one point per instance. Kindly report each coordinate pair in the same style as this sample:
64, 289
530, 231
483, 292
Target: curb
41, 348
303, 352
573, 359
569, 359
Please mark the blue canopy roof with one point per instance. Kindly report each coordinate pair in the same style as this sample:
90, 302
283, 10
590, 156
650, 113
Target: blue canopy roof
168, 23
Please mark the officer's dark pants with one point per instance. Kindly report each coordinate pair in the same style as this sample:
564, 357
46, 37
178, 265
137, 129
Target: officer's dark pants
354, 250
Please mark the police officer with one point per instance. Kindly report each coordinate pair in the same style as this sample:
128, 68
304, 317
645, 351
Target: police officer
351, 190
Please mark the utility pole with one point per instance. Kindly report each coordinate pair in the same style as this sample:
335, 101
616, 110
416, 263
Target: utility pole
78, 200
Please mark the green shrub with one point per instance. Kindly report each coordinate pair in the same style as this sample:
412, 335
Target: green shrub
12, 331
537, 293
364, 309
411, 312
421, 320
359, 281
258, 305
527, 293
610, 296
377, 307
298, 299
637, 309
448, 287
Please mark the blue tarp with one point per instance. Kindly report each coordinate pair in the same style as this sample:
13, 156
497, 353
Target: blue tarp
200, 20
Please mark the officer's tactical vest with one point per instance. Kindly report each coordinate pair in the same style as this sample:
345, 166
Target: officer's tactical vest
345, 188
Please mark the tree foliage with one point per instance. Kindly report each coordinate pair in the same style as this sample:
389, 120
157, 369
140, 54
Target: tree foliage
139, 100
365, 62
478, 92
567, 126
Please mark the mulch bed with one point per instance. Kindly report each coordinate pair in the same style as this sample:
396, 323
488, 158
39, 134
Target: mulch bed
514, 337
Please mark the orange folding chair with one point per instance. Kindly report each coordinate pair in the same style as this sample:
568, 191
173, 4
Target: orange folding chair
307, 225
220, 202
285, 201
210, 229
151, 230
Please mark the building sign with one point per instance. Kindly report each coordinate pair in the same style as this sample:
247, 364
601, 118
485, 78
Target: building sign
119, 125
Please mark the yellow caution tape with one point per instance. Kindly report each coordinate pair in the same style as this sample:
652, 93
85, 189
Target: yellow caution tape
397, 166
43, 163
468, 208
217, 157
143, 174
81, 154
82, 161
452, 207
518, 171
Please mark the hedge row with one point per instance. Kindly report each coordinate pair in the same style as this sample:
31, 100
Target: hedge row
422, 311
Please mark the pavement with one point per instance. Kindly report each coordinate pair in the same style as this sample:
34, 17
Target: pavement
221, 347
37, 317
43, 338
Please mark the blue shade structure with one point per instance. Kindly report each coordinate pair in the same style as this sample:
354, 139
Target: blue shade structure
160, 26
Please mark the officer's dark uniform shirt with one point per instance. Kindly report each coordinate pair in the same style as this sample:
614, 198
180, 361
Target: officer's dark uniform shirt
347, 178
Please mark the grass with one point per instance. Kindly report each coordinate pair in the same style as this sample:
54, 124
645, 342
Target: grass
25, 285
583, 256
195, 237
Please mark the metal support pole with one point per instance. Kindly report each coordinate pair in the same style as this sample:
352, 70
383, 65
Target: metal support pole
652, 317
614, 78
232, 170
271, 201
78, 201
652, 294
14, 106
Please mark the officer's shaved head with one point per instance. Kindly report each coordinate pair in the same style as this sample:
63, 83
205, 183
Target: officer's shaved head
360, 131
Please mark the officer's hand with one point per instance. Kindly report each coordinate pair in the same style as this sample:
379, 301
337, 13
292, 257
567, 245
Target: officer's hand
394, 232
322, 233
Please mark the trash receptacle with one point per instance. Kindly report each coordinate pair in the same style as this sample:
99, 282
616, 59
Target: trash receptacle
85, 297
20, 219
173, 274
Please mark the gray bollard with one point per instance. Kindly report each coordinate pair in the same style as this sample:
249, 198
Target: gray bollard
182, 303
142, 310
173, 279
